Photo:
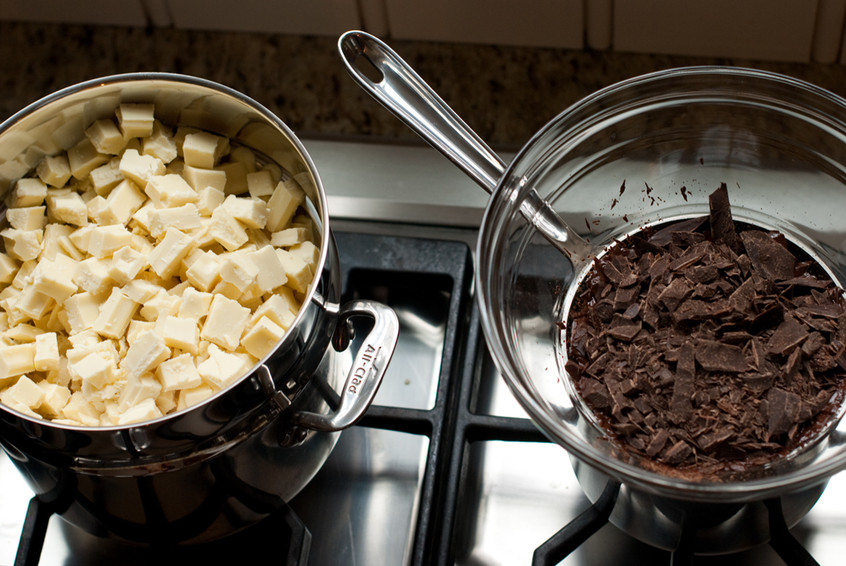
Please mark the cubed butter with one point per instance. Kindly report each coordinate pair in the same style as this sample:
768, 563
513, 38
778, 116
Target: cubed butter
225, 322
178, 373
203, 149
144, 354
135, 119
166, 257
105, 136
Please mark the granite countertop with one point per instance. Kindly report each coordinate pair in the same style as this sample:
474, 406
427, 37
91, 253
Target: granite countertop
504, 93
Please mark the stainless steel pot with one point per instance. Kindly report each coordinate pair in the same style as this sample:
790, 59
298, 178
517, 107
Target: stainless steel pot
224, 464
645, 151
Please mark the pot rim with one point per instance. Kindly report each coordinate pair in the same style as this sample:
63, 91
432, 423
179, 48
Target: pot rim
505, 202
265, 113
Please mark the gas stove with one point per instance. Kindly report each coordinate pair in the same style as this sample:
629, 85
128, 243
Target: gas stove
445, 468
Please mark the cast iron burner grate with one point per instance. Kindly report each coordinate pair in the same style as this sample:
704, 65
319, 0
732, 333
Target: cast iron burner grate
291, 538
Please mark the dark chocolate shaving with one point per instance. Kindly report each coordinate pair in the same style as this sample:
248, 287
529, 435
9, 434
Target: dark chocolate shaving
708, 345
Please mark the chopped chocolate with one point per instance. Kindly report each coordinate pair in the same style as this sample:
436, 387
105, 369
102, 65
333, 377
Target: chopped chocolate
708, 347
768, 256
722, 224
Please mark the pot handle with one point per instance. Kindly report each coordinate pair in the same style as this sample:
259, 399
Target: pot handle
367, 370
406, 95
401, 90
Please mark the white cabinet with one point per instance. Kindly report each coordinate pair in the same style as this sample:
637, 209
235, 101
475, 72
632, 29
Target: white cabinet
537, 23
780, 30
305, 17
103, 12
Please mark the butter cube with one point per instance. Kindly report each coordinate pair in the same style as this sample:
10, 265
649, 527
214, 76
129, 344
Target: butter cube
135, 119
170, 190
283, 203
166, 257
83, 158
23, 393
262, 337
208, 199
67, 207
105, 177
260, 183
95, 369
226, 230
126, 264
166, 401
163, 304
27, 218
82, 310
54, 278
8, 268
46, 352
296, 269
92, 275
225, 322
281, 308
179, 373
160, 143
53, 170
222, 369
123, 201
79, 237
29, 192
137, 389
195, 304
24, 275
33, 303
289, 236
105, 136
252, 213
203, 149
191, 397
271, 273
141, 290
184, 218
54, 399
23, 245
140, 168
106, 240
57, 240
200, 178
145, 354
17, 360
239, 270
79, 410
142, 411
22, 333
115, 314
179, 333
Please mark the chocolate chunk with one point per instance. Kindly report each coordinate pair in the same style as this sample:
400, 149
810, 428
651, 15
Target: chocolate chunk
722, 224
677, 453
681, 402
769, 257
789, 334
783, 409
716, 356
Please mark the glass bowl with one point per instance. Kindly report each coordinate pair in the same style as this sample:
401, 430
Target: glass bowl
641, 152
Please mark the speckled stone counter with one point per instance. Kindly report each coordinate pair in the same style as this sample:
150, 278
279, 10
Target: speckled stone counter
505, 93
